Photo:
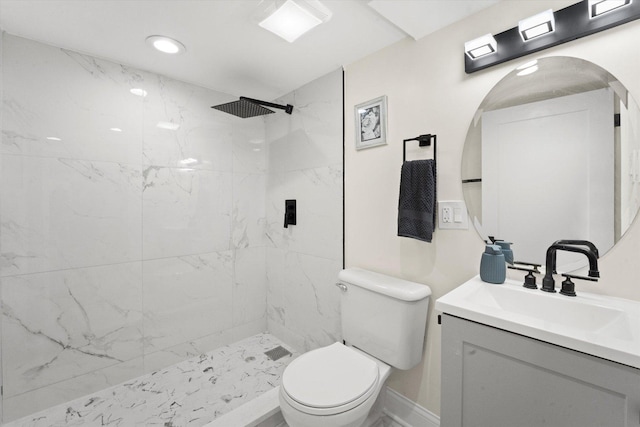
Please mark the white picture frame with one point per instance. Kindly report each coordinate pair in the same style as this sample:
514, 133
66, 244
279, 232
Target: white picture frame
371, 123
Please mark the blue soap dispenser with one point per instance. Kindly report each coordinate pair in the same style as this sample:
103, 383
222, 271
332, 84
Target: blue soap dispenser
506, 250
493, 268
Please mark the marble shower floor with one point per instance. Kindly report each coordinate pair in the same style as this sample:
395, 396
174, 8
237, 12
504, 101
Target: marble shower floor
191, 393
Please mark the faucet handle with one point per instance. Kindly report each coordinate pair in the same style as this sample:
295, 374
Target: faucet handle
531, 264
575, 276
529, 279
568, 287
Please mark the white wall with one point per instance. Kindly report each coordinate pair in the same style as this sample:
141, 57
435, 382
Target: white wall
121, 252
429, 92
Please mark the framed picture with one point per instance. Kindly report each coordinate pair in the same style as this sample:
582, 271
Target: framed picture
371, 123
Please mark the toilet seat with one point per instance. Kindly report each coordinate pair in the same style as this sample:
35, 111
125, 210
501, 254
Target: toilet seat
329, 380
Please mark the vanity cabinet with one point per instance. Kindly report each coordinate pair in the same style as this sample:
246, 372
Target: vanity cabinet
495, 378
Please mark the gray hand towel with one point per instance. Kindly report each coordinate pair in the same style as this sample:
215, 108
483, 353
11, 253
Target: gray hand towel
417, 205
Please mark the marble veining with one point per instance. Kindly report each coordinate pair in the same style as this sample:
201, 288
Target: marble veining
85, 319
126, 246
305, 163
131, 227
190, 393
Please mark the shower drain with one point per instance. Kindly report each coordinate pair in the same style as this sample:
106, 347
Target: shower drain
277, 353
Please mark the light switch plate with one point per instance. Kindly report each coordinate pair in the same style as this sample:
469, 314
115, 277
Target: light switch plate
452, 214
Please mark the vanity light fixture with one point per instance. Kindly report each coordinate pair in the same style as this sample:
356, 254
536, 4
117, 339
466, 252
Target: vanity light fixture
481, 46
600, 7
537, 25
552, 28
292, 18
166, 44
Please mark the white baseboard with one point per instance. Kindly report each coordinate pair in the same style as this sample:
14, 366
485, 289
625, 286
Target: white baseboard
264, 411
407, 413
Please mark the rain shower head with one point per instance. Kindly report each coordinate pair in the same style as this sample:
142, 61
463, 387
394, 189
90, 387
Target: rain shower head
248, 107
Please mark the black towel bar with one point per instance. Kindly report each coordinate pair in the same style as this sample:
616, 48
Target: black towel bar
423, 141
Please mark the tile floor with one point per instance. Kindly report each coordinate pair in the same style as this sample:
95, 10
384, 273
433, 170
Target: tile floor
191, 393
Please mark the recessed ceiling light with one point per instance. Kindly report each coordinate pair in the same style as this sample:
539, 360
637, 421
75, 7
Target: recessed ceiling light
53, 138
115, 129
138, 91
166, 44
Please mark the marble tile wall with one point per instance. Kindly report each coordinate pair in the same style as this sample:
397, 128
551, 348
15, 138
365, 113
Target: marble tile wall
303, 261
121, 252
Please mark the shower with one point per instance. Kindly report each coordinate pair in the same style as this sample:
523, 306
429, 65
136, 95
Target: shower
249, 107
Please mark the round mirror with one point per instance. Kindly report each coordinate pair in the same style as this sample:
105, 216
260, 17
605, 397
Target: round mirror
552, 153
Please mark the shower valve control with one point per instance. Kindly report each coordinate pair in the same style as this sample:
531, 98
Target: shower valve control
290, 215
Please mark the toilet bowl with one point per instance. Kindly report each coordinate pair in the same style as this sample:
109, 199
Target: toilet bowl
383, 325
333, 386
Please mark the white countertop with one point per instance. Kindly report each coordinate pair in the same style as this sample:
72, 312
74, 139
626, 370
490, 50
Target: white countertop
599, 325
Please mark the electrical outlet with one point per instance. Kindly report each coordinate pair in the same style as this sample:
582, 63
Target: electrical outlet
452, 214
446, 214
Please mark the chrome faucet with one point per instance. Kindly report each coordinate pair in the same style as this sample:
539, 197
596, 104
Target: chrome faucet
580, 246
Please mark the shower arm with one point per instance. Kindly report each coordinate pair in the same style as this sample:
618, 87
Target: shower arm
288, 108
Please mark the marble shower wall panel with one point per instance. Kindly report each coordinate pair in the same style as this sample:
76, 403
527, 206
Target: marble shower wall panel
202, 139
96, 222
185, 211
312, 136
186, 298
50, 92
303, 261
249, 145
318, 192
60, 213
250, 285
63, 324
303, 300
66, 390
249, 213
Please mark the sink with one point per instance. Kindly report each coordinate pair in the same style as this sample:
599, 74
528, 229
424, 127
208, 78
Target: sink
599, 325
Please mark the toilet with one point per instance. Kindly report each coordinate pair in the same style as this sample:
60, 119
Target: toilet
383, 326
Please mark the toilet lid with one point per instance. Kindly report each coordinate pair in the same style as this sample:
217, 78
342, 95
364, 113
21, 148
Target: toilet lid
330, 376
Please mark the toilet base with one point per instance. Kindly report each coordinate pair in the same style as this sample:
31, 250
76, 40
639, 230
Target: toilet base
352, 418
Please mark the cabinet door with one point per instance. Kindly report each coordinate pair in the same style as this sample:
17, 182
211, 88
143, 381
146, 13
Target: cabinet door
494, 378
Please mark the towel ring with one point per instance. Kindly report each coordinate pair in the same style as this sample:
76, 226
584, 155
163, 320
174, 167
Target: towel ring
423, 141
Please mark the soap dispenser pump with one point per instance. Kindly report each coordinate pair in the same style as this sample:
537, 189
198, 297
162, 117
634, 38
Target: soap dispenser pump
506, 250
493, 268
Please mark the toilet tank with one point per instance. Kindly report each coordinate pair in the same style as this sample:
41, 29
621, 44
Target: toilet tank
384, 316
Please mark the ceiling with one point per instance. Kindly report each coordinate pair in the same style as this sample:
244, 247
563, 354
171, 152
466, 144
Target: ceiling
226, 50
